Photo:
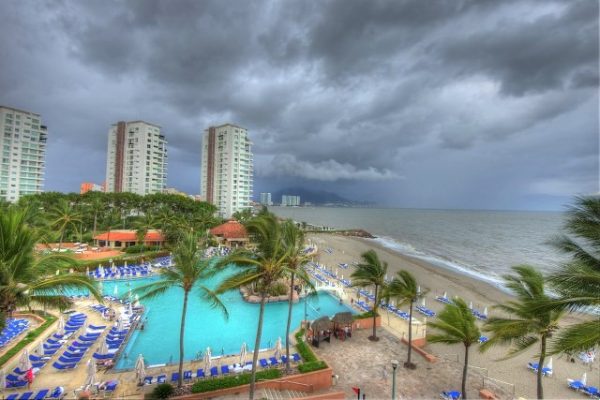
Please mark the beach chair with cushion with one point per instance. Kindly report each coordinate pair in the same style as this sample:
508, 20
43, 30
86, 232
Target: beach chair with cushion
161, 379
575, 385
451, 395
187, 375
57, 393
148, 380
214, 371
175, 377
63, 367
296, 357
26, 396
483, 339
110, 387
591, 391
13, 396
263, 363
273, 361
41, 395
225, 369
15, 384
200, 373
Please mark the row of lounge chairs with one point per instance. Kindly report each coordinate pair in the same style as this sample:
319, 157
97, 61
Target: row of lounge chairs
216, 371
56, 393
13, 328
120, 272
74, 353
425, 311
579, 386
482, 316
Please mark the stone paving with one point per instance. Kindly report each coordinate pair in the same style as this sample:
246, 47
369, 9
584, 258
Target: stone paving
359, 362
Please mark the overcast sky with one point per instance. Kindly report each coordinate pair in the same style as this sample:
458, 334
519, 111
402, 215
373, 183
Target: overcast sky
436, 104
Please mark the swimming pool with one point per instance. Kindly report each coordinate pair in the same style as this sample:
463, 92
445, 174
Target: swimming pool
207, 327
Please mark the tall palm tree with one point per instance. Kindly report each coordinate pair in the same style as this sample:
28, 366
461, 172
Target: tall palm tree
190, 272
525, 325
293, 242
27, 279
63, 217
371, 271
456, 324
143, 225
404, 290
262, 269
578, 281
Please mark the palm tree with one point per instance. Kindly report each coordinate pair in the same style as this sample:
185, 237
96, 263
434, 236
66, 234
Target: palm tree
456, 324
578, 281
27, 278
190, 272
64, 217
525, 326
261, 269
371, 272
293, 241
143, 225
404, 289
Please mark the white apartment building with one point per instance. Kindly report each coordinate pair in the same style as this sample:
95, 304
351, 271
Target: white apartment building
227, 168
289, 200
265, 199
23, 144
136, 158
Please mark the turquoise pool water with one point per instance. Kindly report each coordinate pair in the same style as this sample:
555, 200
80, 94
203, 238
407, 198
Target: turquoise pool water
207, 327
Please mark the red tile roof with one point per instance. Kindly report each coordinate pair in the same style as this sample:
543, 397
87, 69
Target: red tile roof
129, 236
230, 230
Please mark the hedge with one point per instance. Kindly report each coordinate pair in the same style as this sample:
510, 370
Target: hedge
311, 366
368, 314
139, 248
310, 362
225, 382
30, 337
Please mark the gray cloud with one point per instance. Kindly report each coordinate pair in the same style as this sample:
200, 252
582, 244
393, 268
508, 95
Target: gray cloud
346, 93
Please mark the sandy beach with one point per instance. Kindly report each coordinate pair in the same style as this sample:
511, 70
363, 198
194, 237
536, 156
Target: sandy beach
437, 280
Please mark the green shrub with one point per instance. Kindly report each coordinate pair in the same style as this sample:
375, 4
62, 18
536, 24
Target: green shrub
162, 391
139, 248
208, 385
278, 289
312, 366
30, 337
368, 314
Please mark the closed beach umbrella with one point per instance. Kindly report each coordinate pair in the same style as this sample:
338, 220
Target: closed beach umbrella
140, 368
61, 326
103, 348
2, 379
130, 309
470, 305
278, 348
549, 365
485, 311
207, 359
87, 270
243, 352
100, 287
91, 373
40, 349
584, 379
423, 302
24, 362
120, 325
125, 264
445, 295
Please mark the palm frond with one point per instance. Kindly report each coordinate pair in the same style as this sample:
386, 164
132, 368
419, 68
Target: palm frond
579, 337
213, 299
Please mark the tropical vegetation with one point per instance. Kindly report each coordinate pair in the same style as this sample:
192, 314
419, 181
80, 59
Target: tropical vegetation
456, 324
404, 289
371, 272
190, 272
524, 326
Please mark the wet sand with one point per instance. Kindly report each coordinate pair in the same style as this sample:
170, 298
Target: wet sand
438, 280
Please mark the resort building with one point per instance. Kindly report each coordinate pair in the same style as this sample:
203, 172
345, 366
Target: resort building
227, 168
265, 199
90, 187
122, 238
136, 158
23, 144
230, 234
291, 201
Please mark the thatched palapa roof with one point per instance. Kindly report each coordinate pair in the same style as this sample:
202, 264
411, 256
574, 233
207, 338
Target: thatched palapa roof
321, 324
343, 318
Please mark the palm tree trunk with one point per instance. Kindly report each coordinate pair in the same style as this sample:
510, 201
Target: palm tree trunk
375, 305
181, 334
257, 345
465, 372
95, 223
289, 323
540, 389
408, 363
62, 233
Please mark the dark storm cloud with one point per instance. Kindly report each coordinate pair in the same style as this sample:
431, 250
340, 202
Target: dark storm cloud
410, 96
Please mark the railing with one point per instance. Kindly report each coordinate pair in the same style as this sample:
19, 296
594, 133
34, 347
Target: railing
494, 384
305, 386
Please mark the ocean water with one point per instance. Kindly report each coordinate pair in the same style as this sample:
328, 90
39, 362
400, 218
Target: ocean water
482, 244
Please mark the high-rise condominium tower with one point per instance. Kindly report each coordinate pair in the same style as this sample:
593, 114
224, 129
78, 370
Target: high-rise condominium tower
136, 158
23, 144
227, 168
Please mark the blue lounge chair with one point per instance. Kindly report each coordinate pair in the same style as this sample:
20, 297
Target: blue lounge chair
57, 393
161, 379
224, 369
483, 339
26, 396
263, 363
41, 395
16, 384
148, 380
13, 396
591, 391
187, 375
296, 357
111, 387
214, 371
200, 373
175, 377
103, 356
283, 359
576, 385
63, 367
451, 395
69, 360
273, 361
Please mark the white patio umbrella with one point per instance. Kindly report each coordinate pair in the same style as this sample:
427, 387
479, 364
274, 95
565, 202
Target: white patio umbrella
207, 359
100, 287
485, 311
423, 302
130, 308
584, 379
278, 348
2, 380
445, 295
87, 271
140, 368
24, 362
243, 352
103, 348
120, 325
125, 264
60, 330
470, 305
549, 365
91, 373
419, 289
40, 349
